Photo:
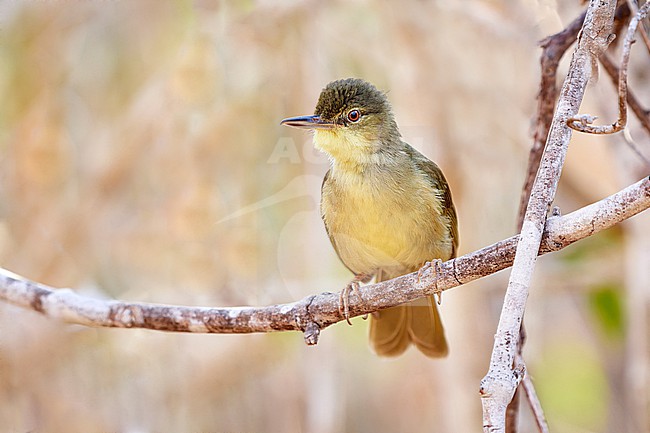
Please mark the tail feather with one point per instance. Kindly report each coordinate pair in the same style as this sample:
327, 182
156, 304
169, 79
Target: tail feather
388, 331
394, 329
425, 329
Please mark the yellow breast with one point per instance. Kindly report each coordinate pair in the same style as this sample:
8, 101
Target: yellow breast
389, 218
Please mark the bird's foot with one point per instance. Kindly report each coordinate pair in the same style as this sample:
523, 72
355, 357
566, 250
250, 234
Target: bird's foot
436, 264
344, 296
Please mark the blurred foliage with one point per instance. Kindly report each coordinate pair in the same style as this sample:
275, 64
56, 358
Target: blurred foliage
141, 158
571, 384
601, 243
606, 304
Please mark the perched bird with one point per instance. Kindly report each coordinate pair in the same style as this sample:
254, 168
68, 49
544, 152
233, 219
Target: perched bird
387, 209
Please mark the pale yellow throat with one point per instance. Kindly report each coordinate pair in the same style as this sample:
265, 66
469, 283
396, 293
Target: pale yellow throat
380, 215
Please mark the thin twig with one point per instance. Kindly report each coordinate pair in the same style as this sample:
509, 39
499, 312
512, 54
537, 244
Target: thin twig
641, 113
584, 122
634, 7
535, 405
316, 312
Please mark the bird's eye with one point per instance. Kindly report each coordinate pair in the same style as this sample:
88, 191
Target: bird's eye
354, 115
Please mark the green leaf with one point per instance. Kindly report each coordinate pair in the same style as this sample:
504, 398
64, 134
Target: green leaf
606, 306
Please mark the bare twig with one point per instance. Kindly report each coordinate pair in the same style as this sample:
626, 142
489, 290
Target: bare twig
503, 377
584, 122
634, 7
316, 312
553, 48
641, 113
535, 405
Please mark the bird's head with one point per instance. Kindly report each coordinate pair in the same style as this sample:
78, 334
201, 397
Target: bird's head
352, 121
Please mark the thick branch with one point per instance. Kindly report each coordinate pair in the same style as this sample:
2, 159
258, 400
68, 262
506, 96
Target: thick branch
503, 377
553, 48
316, 312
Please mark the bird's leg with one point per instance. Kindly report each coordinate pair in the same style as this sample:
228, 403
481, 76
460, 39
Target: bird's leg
436, 263
344, 296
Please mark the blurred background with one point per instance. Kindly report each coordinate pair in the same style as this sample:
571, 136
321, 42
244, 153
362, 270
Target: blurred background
141, 158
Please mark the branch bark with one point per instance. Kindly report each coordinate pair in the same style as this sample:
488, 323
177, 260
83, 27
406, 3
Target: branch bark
553, 48
503, 377
316, 312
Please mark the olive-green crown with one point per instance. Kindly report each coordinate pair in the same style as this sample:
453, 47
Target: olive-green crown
342, 95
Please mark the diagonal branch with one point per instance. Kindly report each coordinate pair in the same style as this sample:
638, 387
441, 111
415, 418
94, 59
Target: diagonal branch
503, 377
553, 48
316, 312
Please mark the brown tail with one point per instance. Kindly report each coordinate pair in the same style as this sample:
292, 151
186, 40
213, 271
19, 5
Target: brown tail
418, 322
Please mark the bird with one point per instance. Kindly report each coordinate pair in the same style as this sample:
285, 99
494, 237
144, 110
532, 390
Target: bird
387, 209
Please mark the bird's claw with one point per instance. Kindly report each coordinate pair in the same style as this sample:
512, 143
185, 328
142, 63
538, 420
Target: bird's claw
423, 269
344, 296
